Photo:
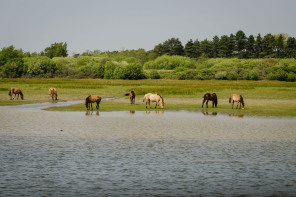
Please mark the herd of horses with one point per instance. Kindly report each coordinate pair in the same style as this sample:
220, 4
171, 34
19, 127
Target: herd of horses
159, 101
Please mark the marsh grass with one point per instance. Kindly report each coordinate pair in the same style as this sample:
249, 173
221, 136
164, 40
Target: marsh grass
271, 98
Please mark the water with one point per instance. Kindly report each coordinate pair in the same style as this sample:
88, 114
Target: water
161, 153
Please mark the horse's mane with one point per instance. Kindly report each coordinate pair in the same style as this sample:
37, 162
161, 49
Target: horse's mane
242, 99
160, 97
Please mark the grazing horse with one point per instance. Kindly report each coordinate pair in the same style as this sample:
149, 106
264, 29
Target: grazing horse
237, 98
132, 96
53, 93
210, 97
15, 91
153, 98
92, 99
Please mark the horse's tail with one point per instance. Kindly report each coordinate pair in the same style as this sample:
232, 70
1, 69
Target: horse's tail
10, 92
144, 99
126, 94
229, 99
87, 101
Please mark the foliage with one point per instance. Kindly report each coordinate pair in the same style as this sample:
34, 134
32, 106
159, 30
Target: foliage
56, 50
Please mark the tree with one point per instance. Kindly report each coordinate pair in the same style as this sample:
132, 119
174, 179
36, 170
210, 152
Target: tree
279, 46
196, 46
56, 50
250, 47
240, 44
13, 68
215, 46
268, 46
290, 48
173, 46
205, 48
258, 46
8, 53
224, 46
189, 50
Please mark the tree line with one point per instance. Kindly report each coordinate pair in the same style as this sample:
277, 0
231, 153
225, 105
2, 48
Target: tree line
227, 57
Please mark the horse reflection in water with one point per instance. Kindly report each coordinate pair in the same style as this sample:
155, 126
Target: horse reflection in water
153, 98
237, 98
89, 113
210, 97
53, 93
157, 112
206, 113
92, 99
15, 91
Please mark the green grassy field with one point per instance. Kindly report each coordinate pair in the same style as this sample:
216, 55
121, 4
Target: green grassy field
269, 98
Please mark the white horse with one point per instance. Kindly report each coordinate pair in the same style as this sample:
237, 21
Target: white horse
153, 98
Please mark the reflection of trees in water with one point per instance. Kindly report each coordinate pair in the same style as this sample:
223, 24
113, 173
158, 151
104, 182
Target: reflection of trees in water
212, 113
90, 112
157, 112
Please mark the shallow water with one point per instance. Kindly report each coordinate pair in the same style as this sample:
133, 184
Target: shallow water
156, 153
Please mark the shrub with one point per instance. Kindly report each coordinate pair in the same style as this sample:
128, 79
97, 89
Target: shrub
13, 68
221, 75
40, 66
154, 75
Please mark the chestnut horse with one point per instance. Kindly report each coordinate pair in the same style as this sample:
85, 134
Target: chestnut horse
15, 91
153, 98
132, 96
237, 98
53, 93
210, 97
92, 99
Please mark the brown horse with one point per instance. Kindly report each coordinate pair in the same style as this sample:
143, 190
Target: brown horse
132, 96
53, 93
15, 91
210, 97
153, 98
92, 99
237, 98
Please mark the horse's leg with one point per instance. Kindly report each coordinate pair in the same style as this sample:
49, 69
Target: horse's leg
207, 103
232, 103
237, 104
203, 103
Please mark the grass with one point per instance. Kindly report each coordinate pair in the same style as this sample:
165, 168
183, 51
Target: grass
268, 98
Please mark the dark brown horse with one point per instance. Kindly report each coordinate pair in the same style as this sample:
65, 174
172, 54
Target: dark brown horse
210, 97
92, 99
15, 91
132, 96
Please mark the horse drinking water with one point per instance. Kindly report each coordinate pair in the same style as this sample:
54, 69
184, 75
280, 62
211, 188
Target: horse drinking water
210, 97
52, 92
92, 99
15, 91
153, 98
237, 98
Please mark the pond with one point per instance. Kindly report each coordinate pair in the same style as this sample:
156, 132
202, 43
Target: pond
139, 153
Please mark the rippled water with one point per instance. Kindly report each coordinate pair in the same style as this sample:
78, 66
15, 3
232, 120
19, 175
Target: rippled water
161, 153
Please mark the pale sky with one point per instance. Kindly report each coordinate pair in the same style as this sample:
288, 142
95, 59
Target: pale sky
111, 25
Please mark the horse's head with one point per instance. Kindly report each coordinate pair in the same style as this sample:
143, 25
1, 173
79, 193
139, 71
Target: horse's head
242, 101
162, 103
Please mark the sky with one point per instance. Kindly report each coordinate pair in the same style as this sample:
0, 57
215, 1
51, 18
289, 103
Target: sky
109, 25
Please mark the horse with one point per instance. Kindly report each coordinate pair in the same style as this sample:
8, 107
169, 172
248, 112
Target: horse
237, 98
132, 96
53, 93
210, 97
92, 99
153, 98
15, 91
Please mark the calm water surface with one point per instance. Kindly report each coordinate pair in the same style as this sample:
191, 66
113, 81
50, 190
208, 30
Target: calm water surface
161, 153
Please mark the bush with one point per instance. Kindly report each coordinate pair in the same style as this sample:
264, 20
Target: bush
221, 75
13, 68
40, 66
232, 75
154, 75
